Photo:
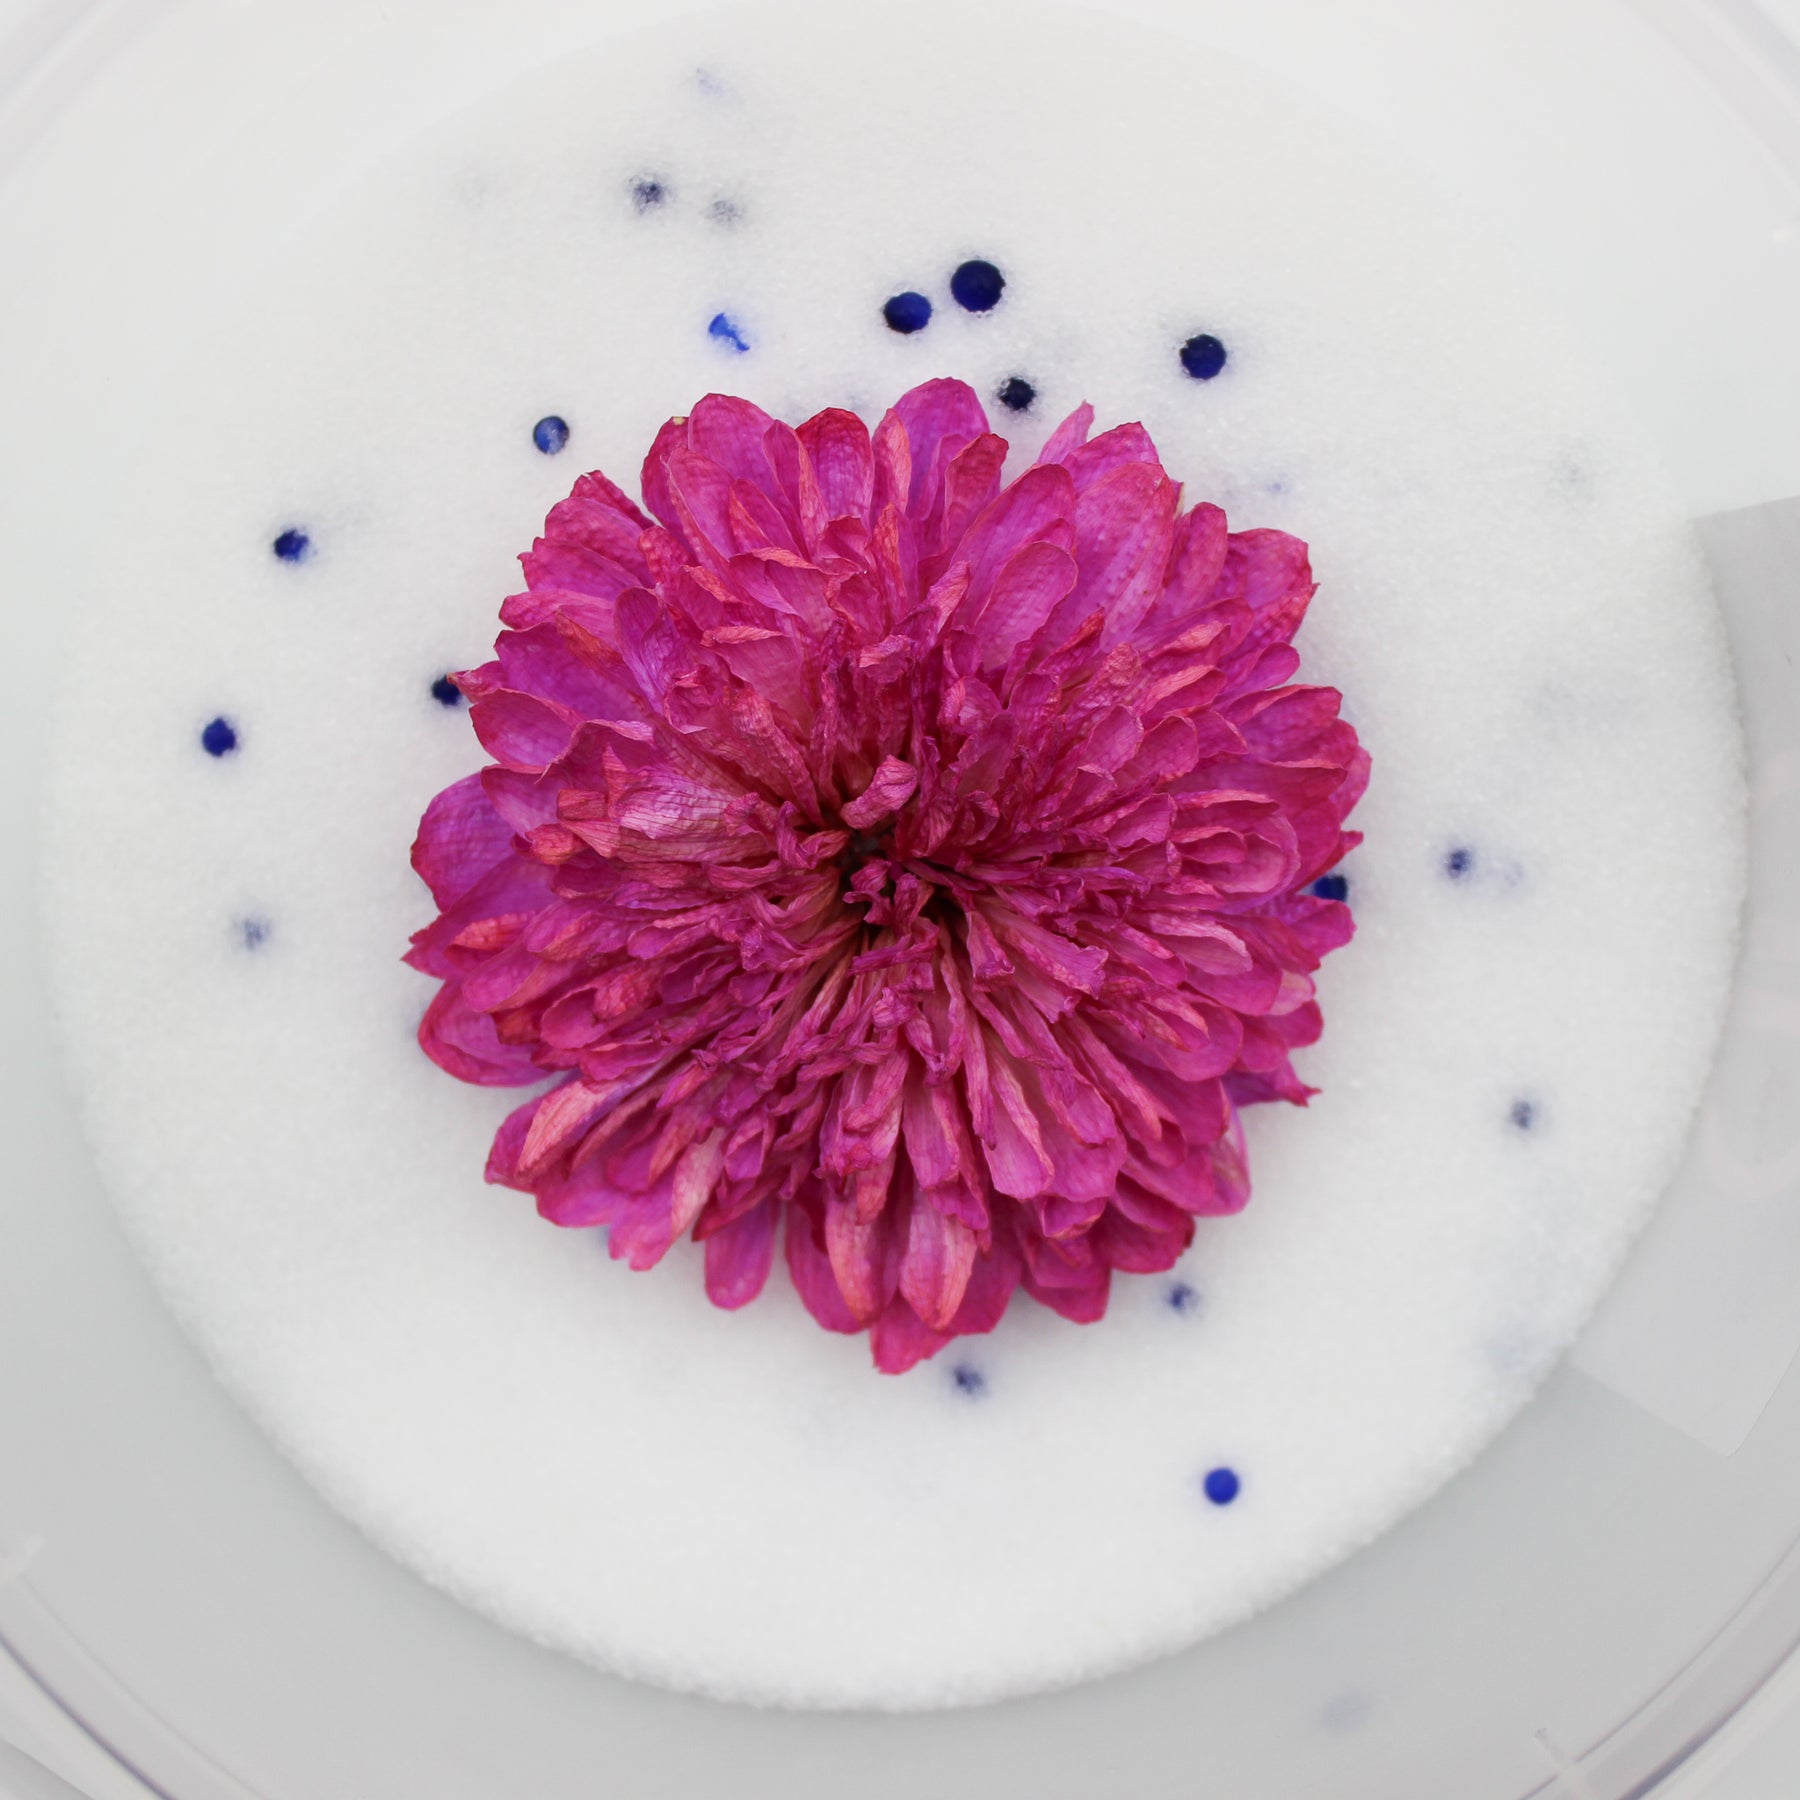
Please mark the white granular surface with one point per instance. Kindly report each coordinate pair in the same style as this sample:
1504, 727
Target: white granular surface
1511, 602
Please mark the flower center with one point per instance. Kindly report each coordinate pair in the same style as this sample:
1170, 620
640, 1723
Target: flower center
862, 848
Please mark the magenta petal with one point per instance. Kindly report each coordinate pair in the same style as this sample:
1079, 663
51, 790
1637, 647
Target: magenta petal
810, 1269
522, 732
1038, 507
1016, 1158
739, 1257
991, 1284
570, 567
932, 413
901, 1340
463, 1041
460, 838
729, 433
657, 495
1196, 556
1069, 436
891, 786
1024, 595
1124, 526
1111, 450
843, 462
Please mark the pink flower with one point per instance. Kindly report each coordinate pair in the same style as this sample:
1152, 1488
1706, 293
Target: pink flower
907, 862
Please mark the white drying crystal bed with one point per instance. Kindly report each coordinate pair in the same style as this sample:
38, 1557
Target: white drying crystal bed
1510, 602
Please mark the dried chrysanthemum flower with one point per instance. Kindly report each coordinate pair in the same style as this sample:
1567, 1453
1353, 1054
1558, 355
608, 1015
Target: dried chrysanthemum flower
910, 862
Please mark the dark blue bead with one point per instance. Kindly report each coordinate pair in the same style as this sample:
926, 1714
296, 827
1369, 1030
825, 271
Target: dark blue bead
647, 193
723, 327
1523, 1114
550, 434
1332, 887
1203, 356
1181, 1296
445, 692
1222, 1486
1017, 394
1458, 863
977, 286
907, 313
218, 738
293, 545
969, 1379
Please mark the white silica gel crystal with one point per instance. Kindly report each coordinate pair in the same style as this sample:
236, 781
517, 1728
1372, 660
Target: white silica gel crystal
1510, 601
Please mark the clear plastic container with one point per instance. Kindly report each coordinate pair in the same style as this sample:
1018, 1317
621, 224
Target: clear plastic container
1603, 1607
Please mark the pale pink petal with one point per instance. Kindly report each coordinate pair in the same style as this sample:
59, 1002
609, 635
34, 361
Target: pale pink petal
935, 1269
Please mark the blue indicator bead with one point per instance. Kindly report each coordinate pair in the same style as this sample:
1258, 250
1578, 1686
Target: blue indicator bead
1222, 1486
219, 738
969, 1379
293, 545
1332, 887
1017, 394
1203, 356
445, 692
550, 434
907, 313
726, 329
1459, 863
977, 286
